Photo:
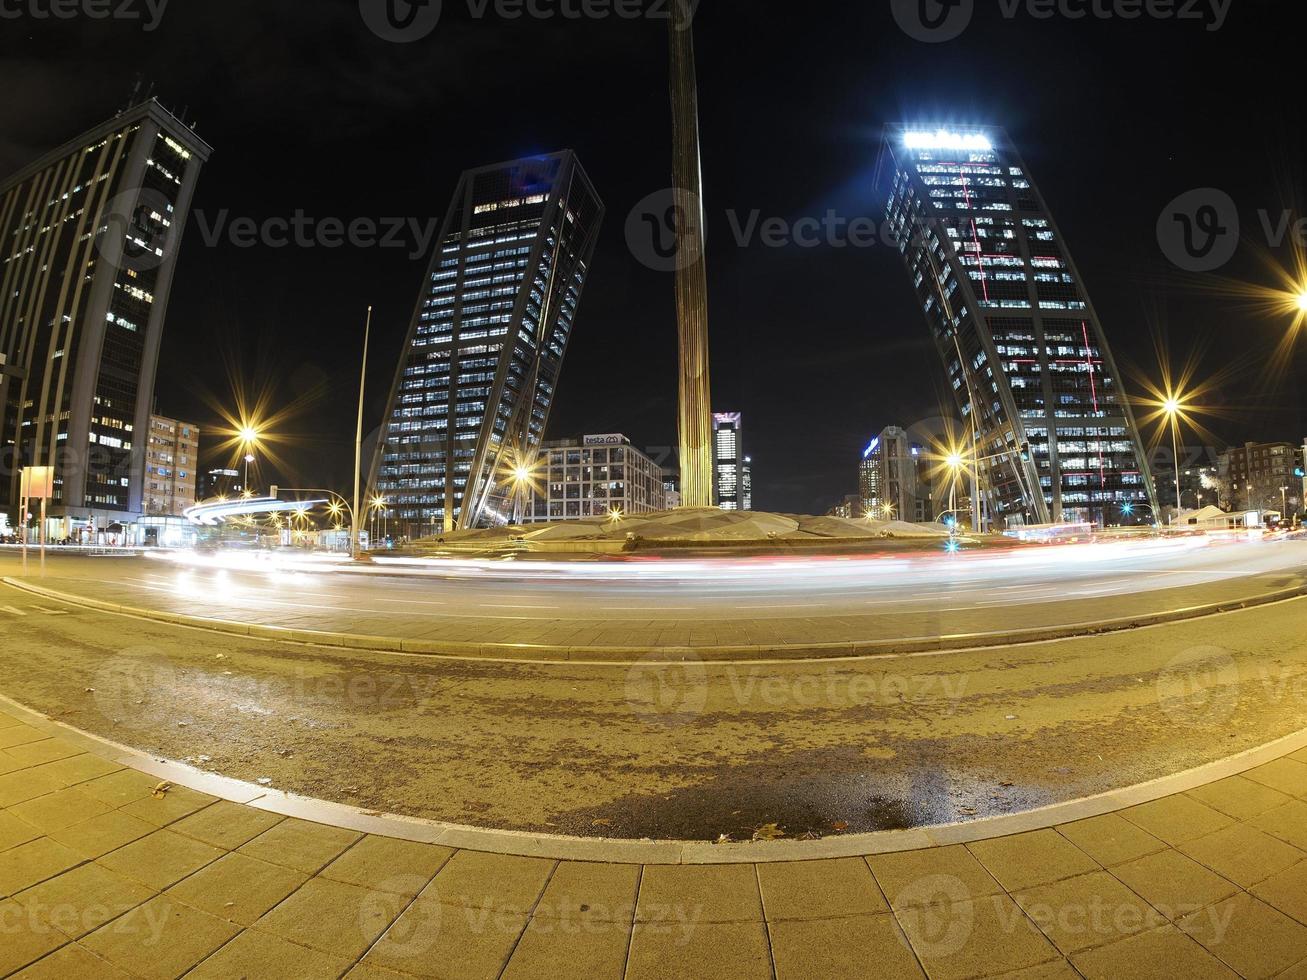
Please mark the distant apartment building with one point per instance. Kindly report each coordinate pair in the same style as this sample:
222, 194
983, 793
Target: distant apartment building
732, 470
892, 478
672, 486
171, 455
594, 477
221, 483
1262, 476
89, 238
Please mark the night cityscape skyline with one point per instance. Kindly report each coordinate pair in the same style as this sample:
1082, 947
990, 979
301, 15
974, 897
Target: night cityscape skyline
649, 490
852, 296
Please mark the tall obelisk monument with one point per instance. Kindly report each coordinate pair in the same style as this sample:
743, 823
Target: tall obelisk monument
695, 401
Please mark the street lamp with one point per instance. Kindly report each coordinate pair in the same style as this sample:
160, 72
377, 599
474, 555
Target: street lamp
1302, 301
1172, 407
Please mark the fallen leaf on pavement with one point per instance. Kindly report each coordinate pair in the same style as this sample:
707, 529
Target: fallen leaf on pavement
768, 831
160, 791
841, 825
601, 822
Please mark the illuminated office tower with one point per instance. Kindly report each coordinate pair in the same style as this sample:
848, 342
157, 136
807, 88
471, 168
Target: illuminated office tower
1046, 422
480, 366
732, 470
89, 236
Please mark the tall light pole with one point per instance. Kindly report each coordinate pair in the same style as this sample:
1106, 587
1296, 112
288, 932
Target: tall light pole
358, 444
1172, 408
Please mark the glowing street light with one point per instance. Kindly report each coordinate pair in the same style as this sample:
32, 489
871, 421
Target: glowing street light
1172, 407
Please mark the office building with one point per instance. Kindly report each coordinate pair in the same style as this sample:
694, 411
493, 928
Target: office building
1049, 427
171, 455
1262, 476
730, 464
89, 238
596, 476
479, 368
892, 479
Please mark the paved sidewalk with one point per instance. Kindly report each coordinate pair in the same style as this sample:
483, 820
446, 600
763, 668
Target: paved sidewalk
103, 876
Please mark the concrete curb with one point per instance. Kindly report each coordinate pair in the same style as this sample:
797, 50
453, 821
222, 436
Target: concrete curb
625, 656
657, 852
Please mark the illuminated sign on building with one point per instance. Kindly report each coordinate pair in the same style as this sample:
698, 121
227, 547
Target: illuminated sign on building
943, 139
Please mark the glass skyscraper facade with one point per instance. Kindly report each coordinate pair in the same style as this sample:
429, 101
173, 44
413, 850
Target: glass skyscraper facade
89, 237
481, 362
1025, 353
732, 471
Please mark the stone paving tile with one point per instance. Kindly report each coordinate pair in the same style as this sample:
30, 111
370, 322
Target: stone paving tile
45, 750
1243, 854
819, 889
1176, 819
1087, 911
1286, 891
226, 825
1239, 797
331, 916
843, 947
432, 939
27, 784
161, 859
160, 939
59, 809
1111, 839
699, 893
24, 940
985, 936
31, 863
301, 845
1248, 935
253, 954
931, 876
19, 734
102, 834
1288, 822
82, 899
1286, 775
73, 962
238, 888
1173, 884
1032, 859
591, 892
382, 864
176, 803
550, 947
80, 768
472, 879
738, 950
1160, 954
120, 788
14, 831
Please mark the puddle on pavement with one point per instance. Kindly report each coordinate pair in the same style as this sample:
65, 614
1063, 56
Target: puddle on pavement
822, 806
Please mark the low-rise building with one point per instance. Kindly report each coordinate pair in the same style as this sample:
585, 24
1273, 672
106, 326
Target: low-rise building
892, 481
172, 451
593, 477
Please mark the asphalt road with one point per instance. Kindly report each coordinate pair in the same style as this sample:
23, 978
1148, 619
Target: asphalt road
762, 603
661, 750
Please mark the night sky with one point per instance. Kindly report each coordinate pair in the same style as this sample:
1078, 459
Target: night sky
820, 347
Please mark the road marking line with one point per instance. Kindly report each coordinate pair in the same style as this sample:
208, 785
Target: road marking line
11, 609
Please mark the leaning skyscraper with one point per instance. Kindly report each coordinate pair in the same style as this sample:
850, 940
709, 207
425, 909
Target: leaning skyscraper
89, 237
1048, 427
481, 362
